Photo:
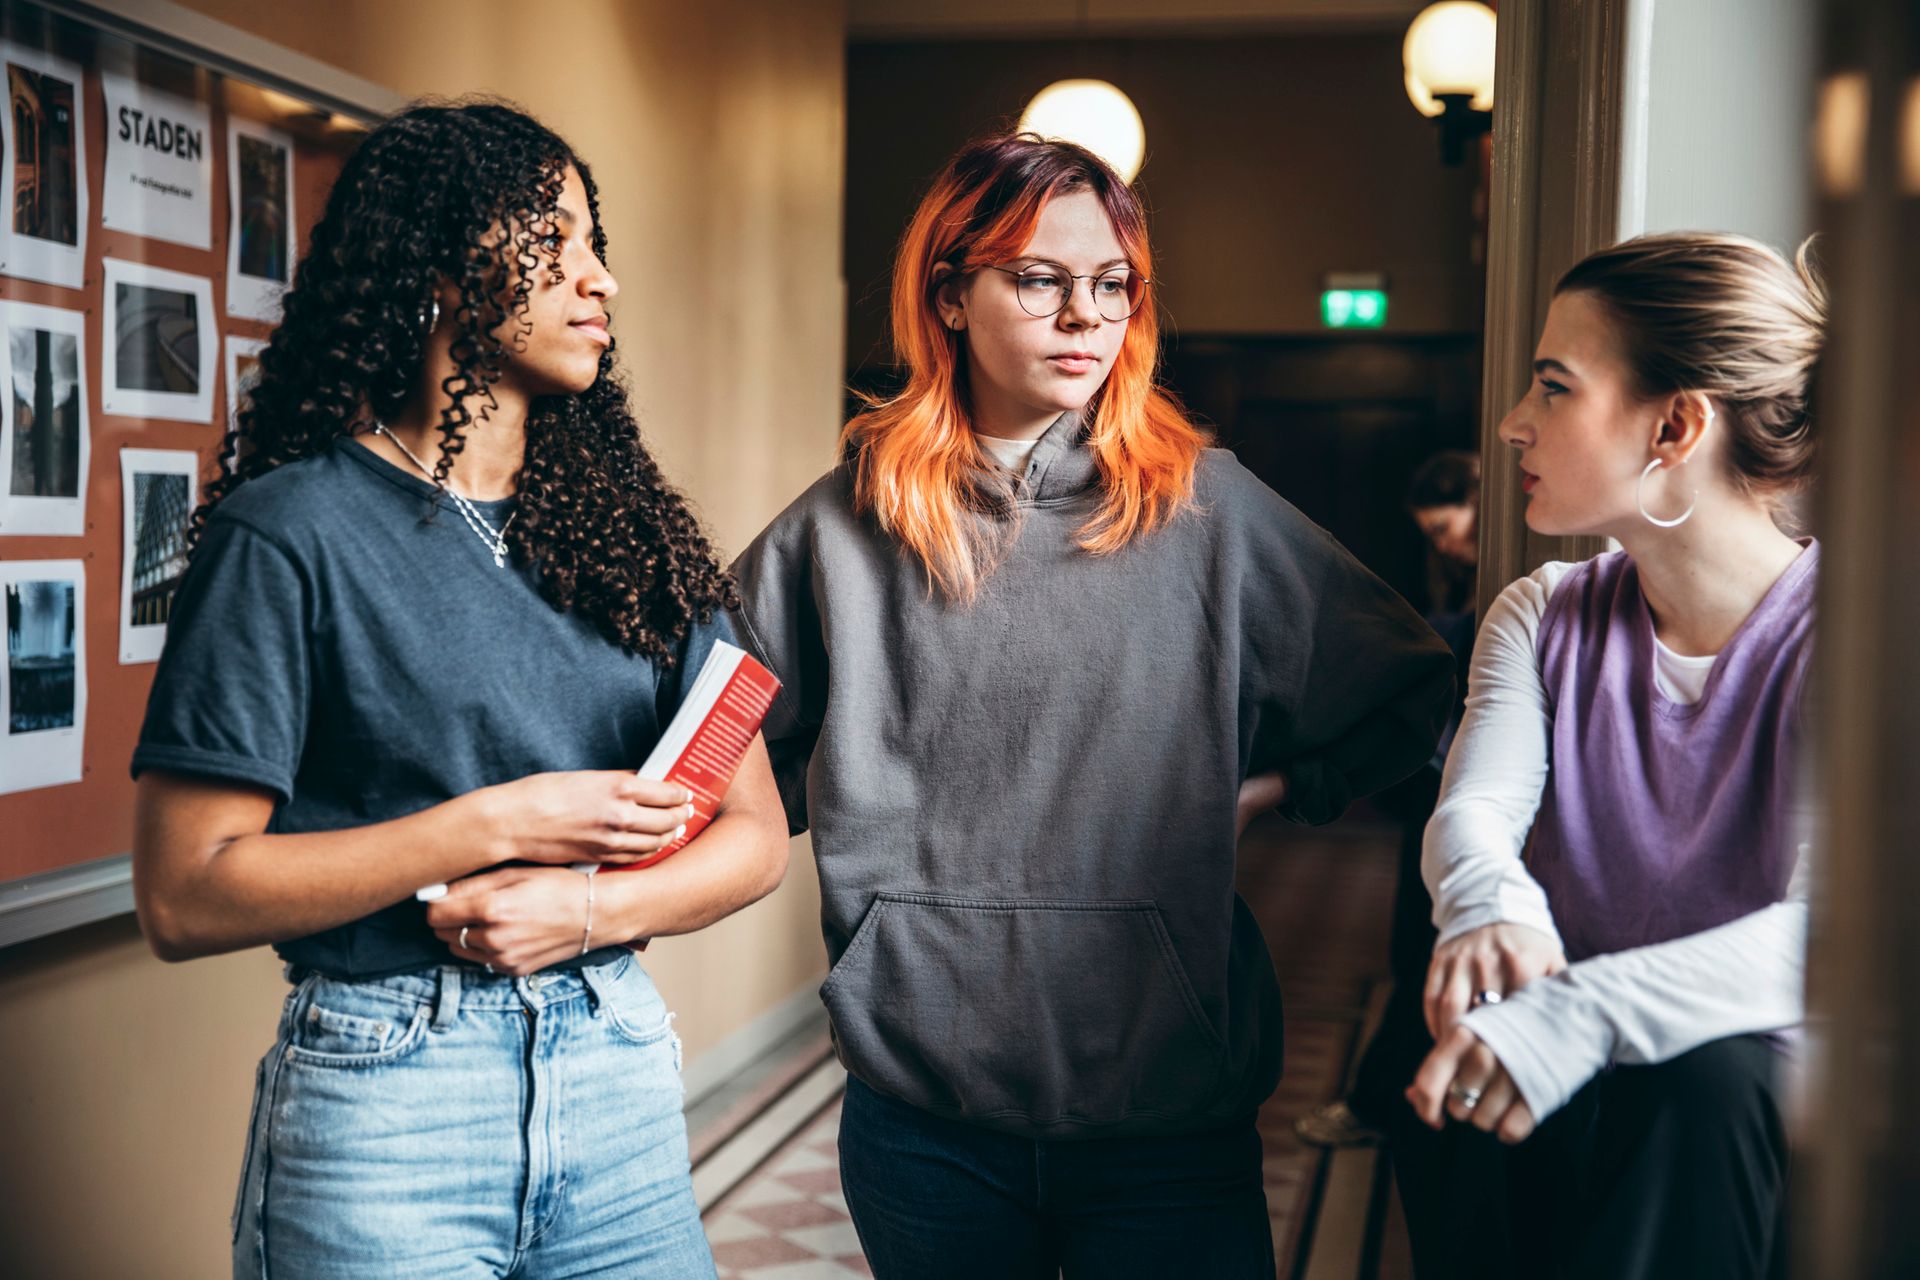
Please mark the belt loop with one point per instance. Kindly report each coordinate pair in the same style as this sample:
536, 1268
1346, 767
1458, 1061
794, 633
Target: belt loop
447, 1007
591, 976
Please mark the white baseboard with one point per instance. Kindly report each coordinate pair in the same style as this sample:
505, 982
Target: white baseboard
713, 1068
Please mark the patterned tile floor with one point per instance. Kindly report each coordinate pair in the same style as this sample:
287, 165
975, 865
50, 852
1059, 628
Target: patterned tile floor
1322, 898
787, 1220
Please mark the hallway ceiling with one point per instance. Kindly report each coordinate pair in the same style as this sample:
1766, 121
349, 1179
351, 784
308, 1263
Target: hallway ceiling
883, 20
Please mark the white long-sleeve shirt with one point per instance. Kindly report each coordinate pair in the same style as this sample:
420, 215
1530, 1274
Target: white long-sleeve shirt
1643, 1005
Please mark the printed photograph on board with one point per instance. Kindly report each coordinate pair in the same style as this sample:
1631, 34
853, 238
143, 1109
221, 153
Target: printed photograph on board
46, 181
40, 656
43, 421
260, 241
263, 209
157, 338
45, 162
157, 496
43, 674
46, 413
159, 343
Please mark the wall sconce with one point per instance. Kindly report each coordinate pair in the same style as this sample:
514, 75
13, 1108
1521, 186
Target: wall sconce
1448, 57
1094, 114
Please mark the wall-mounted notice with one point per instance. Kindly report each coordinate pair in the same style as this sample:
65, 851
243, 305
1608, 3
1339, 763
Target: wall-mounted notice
261, 241
45, 442
159, 180
44, 237
157, 496
43, 677
160, 343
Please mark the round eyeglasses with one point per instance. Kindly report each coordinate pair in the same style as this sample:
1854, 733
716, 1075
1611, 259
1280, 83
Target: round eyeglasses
1044, 289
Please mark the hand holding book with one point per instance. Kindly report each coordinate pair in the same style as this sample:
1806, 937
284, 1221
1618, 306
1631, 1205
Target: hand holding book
703, 746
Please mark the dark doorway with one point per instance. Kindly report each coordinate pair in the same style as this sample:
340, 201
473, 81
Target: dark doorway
1336, 425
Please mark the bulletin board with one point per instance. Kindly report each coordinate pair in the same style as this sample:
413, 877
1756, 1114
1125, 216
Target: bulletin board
134, 335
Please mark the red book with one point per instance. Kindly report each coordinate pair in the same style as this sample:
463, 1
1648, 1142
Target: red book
702, 749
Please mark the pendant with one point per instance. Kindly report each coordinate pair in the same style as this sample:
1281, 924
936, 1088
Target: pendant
499, 557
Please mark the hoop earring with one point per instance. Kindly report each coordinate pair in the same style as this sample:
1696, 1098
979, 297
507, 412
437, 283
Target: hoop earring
1640, 497
429, 318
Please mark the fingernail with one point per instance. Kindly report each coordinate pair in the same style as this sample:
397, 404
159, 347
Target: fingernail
682, 831
691, 811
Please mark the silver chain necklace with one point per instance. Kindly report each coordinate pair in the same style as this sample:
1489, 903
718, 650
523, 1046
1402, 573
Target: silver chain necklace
495, 539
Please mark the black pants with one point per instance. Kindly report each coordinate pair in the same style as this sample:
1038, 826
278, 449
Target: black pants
1401, 1042
1678, 1169
1670, 1170
933, 1198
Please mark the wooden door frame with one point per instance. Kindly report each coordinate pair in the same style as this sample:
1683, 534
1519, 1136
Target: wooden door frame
1568, 70
1863, 1140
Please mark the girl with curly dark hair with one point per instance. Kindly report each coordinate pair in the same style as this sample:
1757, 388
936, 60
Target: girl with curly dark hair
439, 610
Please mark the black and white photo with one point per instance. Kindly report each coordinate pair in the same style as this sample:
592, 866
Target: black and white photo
157, 488
45, 447
43, 681
159, 343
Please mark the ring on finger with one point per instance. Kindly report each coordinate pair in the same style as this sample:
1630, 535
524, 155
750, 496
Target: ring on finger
1466, 1095
1486, 997
463, 936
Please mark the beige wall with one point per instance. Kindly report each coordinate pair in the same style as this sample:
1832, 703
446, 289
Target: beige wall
1271, 160
716, 133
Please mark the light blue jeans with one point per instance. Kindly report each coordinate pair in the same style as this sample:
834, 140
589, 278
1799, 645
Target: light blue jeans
455, 1124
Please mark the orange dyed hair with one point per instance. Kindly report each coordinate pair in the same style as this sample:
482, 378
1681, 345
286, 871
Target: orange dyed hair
915, 454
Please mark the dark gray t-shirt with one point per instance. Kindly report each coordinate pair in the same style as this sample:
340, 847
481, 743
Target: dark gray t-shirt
361, 663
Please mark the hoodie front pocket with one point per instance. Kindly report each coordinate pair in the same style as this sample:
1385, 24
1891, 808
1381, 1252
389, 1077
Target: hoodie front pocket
1049, 1013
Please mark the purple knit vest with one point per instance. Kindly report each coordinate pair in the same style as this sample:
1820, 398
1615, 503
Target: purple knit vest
1662, 819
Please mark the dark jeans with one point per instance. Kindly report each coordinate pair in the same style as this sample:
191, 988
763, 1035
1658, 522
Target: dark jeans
935, 1198
1401, 1043
1676, 1169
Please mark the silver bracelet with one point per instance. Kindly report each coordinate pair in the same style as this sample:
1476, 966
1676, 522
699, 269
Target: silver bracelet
586, 939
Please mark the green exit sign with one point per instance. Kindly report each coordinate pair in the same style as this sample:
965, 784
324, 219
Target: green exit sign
1353, 308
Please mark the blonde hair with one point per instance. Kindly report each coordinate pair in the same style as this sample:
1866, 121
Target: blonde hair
1728, 316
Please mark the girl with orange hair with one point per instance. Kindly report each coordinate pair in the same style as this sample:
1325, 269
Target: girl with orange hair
1044, 653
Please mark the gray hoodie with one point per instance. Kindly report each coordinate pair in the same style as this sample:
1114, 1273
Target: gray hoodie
1023, 809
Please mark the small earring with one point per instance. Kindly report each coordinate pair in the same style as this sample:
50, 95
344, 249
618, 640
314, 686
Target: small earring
429, 318
1640, 497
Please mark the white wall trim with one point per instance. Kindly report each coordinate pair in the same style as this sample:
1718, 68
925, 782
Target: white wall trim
719, 1064
175, 29
1636, 95
34, 906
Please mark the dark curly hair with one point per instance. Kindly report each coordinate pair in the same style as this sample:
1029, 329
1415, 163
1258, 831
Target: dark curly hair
418, 206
